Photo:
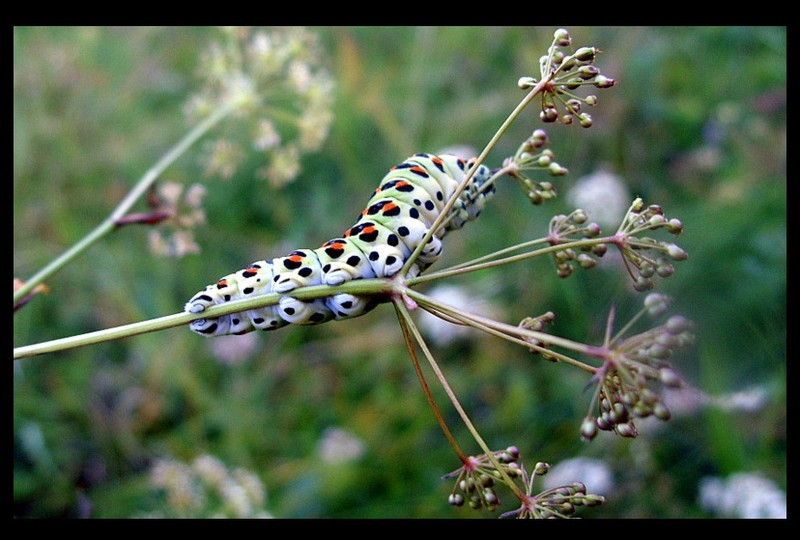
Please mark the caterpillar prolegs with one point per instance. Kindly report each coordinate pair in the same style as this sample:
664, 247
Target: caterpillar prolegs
397, 217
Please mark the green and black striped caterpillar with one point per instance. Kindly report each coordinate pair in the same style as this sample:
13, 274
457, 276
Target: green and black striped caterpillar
397, 217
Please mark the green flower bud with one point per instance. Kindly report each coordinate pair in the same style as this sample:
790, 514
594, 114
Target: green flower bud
659, 352
586, 261
535, 197
588, 429
541, 468
574, 105
656, 304
676, 253
587, 72
490, 497
664, 269
643, 283
593, 500
641, 410
539, 138
605, 404
544, 161
585, 120
592, 230
677, 324
486, 480
526, 82
603, 424
578, 488
627, 430
562, 38
567, 508
668, 340
585, 54
513, 470
648, 396
590, 100
601, 81
456, 499
661, 412
669, 377
675, 226
548, 115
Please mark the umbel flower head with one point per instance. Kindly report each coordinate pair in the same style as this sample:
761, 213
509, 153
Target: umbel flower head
632, 367
277, 79
565, 71
476, 482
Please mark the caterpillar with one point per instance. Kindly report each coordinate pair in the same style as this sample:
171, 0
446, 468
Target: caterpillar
397, 217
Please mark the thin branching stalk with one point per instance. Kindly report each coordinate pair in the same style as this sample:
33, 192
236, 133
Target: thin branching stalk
361, 286
489, 261
404, 326
515, 334
110, 223
479, 160
403, 312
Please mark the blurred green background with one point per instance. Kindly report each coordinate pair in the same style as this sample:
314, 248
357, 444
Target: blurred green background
331, 419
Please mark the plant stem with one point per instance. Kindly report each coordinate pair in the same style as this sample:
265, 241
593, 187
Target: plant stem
402, 309
405, 322
486, 261
360, 286
109, 224
509, 332
481, 158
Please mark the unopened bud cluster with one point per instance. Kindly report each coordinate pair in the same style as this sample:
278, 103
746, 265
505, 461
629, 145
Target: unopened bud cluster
564, 73
532, 155
558, 502
568, 228
476, 480
647, 257
626, 380
538, 324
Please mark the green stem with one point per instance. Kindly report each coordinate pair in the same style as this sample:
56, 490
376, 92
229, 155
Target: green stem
400, 306
481, 158
485, 261
360, 286
141, 187
405, 323
515, 334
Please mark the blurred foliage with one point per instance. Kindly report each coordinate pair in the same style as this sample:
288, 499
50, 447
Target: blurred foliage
696, 124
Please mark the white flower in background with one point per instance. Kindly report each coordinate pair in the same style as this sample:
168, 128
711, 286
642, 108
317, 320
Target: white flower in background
593, 473
207, 488
234, 350
442, 332
743, 495
604, 196
338, 445
285, 94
